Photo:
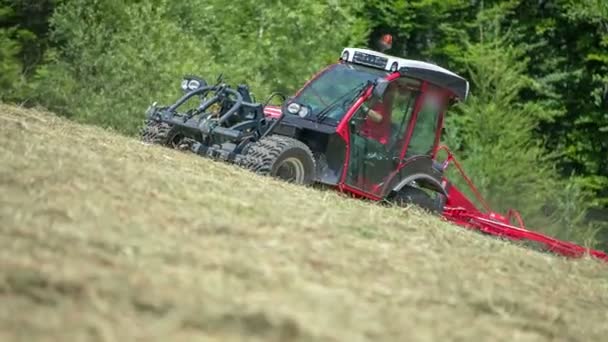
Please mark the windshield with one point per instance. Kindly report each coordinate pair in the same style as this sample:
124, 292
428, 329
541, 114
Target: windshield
332, 93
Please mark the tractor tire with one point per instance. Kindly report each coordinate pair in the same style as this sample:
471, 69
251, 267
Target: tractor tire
281, 157
411, 195
154, 132
160, 133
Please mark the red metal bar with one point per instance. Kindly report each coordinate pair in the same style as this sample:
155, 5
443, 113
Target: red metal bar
464, 175
500, 229
514, 213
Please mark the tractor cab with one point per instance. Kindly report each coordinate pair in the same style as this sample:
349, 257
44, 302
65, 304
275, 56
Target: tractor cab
374, 121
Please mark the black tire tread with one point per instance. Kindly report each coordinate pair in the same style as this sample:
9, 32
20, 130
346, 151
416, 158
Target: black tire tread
155, 132
411, 195
262, 155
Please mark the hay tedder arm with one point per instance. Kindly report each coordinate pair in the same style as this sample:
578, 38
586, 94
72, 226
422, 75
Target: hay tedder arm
460, 210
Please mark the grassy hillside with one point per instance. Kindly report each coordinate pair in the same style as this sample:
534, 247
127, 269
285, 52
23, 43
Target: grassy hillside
103, 238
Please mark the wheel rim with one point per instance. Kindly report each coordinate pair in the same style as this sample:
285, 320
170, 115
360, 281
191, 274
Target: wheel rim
291, 170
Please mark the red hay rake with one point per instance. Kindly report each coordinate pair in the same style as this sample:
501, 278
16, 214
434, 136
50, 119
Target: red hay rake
460, 210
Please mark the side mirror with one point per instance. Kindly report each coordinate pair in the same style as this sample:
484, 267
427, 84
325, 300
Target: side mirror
380, 88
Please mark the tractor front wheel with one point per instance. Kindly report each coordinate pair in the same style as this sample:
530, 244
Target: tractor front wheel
281, 157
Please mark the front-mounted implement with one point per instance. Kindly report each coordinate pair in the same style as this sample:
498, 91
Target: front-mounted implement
368, 125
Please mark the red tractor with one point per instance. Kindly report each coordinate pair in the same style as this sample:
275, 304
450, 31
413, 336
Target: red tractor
368, 125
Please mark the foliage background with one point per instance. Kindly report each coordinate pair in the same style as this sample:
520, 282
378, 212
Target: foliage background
534, 134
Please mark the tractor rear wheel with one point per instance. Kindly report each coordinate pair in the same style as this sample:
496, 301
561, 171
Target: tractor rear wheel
412, 195
281, 157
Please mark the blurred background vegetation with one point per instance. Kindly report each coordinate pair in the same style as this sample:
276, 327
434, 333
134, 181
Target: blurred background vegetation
534, 134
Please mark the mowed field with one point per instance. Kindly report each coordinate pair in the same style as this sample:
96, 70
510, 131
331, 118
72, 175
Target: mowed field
103, 238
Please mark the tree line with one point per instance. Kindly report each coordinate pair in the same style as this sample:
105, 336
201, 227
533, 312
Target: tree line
534, 133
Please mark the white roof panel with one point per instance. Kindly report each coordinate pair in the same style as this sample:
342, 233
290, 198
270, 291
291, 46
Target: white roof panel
391, 63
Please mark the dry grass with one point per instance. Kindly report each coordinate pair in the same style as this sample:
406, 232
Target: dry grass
105, 239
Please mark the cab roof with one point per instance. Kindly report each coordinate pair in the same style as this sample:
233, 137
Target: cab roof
429, 72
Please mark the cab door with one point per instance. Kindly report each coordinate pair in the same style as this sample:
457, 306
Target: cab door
425, 130
378, 131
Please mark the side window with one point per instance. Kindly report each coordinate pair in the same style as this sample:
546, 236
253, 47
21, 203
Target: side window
423, 136
403, 107
386, 120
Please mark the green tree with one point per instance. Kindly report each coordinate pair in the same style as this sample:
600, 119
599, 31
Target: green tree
586, 140
10, 66
275, 45
23, 40
494, 134
566, 43
113, 58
